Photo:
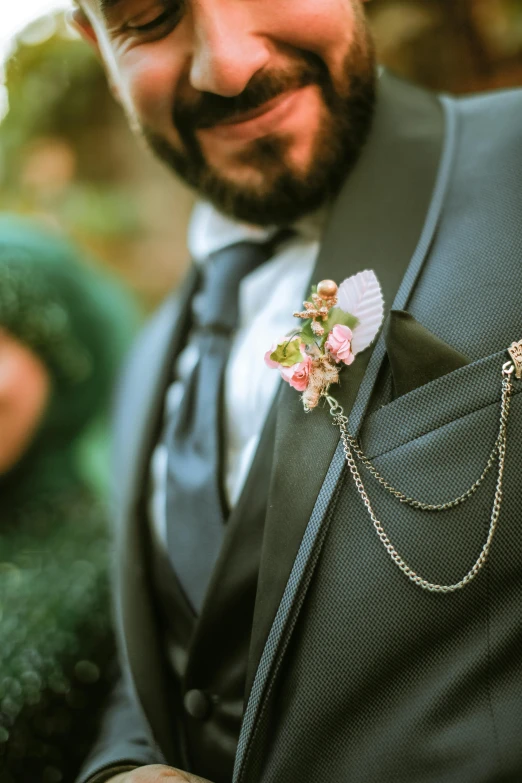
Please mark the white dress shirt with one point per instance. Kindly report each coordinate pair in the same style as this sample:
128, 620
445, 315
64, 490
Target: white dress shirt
267, 298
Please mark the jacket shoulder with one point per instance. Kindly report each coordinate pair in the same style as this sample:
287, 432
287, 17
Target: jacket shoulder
153, 330
138, 392
503, 100
494, 119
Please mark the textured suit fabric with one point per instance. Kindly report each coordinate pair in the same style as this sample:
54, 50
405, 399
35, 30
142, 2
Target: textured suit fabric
377, 680
364, 677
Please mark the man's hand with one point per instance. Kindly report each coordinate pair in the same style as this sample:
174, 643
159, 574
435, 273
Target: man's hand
157, 773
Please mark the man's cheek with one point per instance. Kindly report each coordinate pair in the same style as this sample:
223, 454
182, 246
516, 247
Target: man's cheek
150, 88
319, 34
309, 120
318, 29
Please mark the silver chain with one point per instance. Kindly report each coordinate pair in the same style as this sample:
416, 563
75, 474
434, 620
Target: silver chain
351, 447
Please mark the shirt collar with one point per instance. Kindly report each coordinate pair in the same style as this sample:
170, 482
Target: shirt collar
210, 230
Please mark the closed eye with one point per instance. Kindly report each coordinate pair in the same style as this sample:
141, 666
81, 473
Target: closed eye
167, 19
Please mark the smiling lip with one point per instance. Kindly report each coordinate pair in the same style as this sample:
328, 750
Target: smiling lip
256, 123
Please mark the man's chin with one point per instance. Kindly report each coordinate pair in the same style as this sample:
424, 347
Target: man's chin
244, 177
262, 183
253, 197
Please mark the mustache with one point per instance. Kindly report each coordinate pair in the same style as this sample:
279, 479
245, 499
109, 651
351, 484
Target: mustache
209, 109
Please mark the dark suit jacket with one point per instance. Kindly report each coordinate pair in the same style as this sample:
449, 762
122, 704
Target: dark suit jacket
355, 674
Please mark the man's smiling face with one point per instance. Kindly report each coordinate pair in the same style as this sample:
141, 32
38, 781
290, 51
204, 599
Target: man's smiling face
261, 105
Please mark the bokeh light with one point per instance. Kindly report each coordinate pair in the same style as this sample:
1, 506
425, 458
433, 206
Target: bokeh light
31, 16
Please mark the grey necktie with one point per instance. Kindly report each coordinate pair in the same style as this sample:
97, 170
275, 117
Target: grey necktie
196, 506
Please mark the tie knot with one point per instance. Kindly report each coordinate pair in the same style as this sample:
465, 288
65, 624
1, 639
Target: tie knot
216, 306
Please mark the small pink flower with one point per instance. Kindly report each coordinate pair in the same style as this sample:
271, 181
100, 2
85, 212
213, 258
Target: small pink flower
297, 375
339, 344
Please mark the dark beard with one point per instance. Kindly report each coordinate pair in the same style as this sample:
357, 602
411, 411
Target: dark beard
286, 195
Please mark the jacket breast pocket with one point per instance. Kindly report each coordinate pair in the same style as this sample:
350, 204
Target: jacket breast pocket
433, 444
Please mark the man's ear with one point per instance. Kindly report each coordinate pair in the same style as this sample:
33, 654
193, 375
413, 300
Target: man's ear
81, 22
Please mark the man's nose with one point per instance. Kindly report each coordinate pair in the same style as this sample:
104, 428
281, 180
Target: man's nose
226, 52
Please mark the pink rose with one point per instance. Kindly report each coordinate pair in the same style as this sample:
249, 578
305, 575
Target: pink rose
339, 344
268, 361
297, 375
290, 349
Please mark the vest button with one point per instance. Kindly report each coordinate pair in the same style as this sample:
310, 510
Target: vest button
197, 704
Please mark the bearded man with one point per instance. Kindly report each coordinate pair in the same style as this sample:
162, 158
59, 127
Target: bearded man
266, 632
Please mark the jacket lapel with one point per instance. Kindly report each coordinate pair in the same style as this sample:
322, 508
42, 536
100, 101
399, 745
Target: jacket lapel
376, 223
137, 426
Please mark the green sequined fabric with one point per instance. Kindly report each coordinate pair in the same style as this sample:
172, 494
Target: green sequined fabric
56, 643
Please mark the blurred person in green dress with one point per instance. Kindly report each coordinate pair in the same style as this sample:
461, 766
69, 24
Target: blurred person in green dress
64, 327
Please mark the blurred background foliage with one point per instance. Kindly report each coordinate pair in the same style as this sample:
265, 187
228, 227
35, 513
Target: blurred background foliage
67, 156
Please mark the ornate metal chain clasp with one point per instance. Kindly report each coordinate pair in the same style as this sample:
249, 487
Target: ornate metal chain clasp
335, 408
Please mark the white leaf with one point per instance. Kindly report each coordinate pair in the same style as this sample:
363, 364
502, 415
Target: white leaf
361, 296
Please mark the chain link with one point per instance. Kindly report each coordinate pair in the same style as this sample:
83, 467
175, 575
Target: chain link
351, 447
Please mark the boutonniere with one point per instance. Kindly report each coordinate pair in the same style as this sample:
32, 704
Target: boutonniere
338, 323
